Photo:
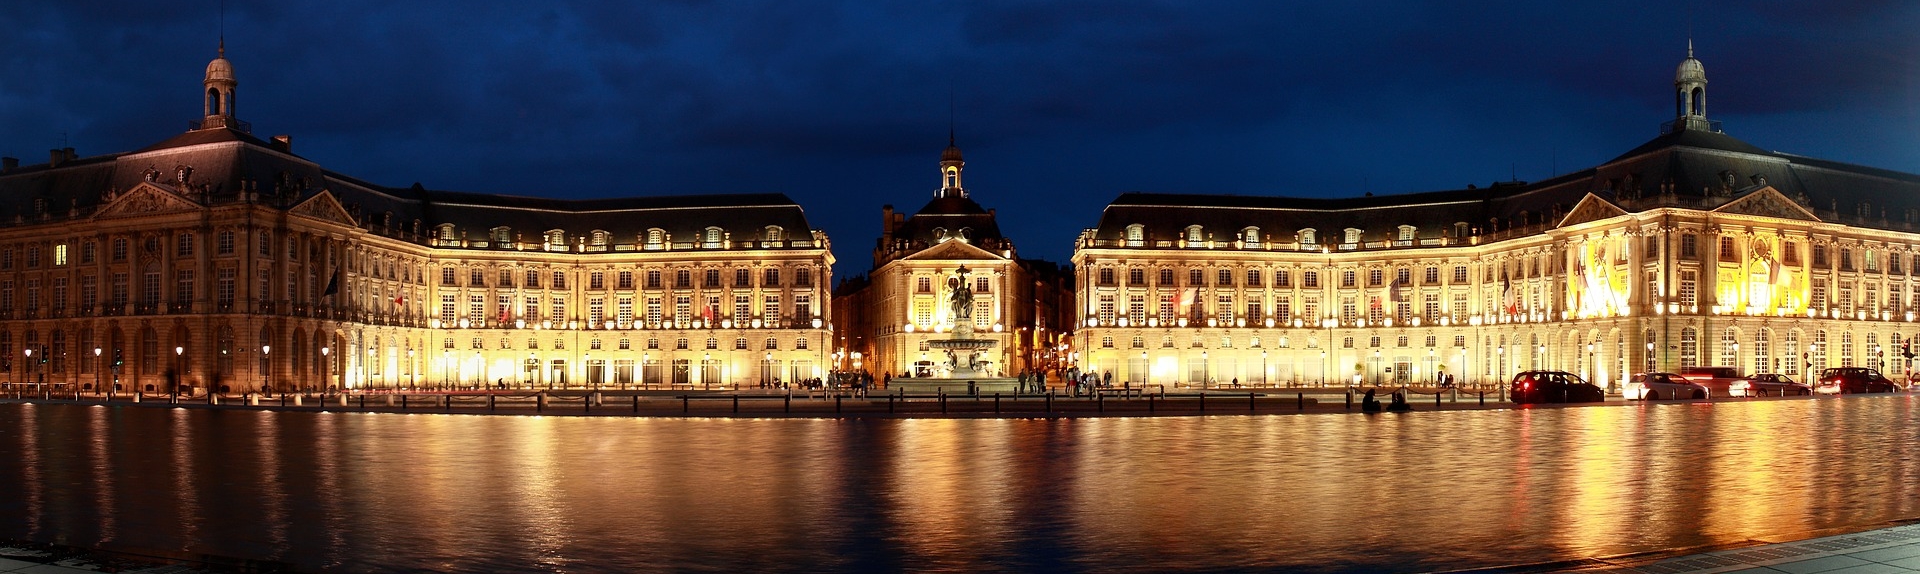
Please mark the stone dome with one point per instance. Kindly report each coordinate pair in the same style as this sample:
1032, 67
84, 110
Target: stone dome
220, 70
951, 154
1690, 70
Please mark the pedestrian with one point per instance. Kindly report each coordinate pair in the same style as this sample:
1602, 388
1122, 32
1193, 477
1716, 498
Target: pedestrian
1369, 404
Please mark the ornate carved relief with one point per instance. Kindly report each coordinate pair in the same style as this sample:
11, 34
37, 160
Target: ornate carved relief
324, 207
147, 199
1767, 202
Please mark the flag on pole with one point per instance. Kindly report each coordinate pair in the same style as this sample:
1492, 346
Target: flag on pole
1509, 300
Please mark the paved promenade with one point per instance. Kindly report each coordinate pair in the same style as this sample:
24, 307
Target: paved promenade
1883, 550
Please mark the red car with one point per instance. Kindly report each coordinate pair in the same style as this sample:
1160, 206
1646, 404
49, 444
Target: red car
1853, 380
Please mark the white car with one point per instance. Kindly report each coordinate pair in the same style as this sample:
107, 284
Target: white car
1656, 386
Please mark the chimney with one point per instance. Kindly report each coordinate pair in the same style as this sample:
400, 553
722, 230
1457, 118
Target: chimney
283, 143
55, 157
9, 163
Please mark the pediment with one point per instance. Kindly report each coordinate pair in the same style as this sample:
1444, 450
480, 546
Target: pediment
323, 206
1591, 208
953, 250
146, 199
1767, 202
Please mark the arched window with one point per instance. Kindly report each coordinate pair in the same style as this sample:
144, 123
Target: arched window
1250, 236
444, 232
1353, 235
1689, 348
939, 234
656, 238
1729, 347
711, 238
599, 239
1407, 231
1308, 237
1194, 234
1136, 235
773, 234
556, 240
500, 236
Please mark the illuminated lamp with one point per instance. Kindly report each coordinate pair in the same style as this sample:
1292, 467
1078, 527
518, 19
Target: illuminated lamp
1269, 322
1210, 322
1153, 321
519, 323
1239, 322
908, 327
1183, 321
463, 323
997, 327
1123, 321
816, 322
1093, 321
434, 323
546, 324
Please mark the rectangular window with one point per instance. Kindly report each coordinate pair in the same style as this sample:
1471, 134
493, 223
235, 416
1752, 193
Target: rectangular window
1166, 308
446, 311
1310, 279
559, 282
1460, 275
60, 255
1688, 247
476, 309
596, 280
1195, 278
476, 278
1819, 297
1348, 279
183, 286
1283, 310
1819, 256
1376, 277
1224, 278
596, 312
710, 279
1105, 310
1166, 277
559, 309
530, 308
1283, 278
624, 311
653, 279
771, 277
983, 285
1253, 277
1727, 250
624, 280
1687, 289
682, 309
1136, 276
226, 286
1432, 277
771, 309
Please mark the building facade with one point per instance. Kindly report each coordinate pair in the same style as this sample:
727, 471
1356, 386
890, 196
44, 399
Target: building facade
1693, 249
215, 259
891, 313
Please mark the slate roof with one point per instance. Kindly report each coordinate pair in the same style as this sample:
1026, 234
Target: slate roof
1684, 168
226, 162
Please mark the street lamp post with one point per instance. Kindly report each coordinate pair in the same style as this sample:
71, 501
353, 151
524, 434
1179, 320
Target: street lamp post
1591, 368
1263, 368
1146, 371
97, 364
766, 364
413, 372
1323, 367
326, 368
266, 367
29, 351
180, 371
1377, 375
1205, 376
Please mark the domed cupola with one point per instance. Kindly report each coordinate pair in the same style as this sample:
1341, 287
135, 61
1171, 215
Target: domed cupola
1690, 94
220, 85
950, 167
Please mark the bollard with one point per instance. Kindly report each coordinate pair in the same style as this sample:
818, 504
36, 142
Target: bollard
1483, 398
363, 402
736, 404
1203, 401
683, 404
889, 403
1300, 400
1249, 402
836, 404
1049, 401
996, 403
1149, 403
403, 401
1349, 399
1099, 402
586, 406
446, 403
636, 403
489, 402
943, 400
789, 402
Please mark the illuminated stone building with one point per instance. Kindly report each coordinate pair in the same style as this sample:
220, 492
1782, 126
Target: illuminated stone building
236, 264
893, 312
1693, 249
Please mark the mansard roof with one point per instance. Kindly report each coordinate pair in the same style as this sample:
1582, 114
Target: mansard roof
1694, 169
225, 165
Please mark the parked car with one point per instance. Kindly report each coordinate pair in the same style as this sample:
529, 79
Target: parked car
1656, 386
1768, 385
1533, 387
1718, 380
1853, 380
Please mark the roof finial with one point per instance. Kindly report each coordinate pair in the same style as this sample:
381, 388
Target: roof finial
1689, 46
223, 28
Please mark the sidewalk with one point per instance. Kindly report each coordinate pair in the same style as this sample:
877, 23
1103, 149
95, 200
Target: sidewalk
1893, 549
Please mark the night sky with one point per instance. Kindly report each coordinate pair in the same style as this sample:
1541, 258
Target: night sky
1059, 105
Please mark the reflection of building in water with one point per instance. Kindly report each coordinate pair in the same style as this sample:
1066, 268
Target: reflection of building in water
238, 263
1694, 248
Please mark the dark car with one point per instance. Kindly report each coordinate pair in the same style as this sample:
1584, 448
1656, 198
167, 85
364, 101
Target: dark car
1853, 380
1532, 387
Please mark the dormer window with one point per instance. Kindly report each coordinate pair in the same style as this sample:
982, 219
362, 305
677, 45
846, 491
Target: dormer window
1460, 229
773, 234
1308, 237
1194, 235
656, 238
1250, 236
710, 238
1353, 235
939, 234
1406, 232
556, 240
444, 232
1136, 235
599, 239
500, 235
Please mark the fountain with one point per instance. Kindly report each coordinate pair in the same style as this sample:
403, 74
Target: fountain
962, 373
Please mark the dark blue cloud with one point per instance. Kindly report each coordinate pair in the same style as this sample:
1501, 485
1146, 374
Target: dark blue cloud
1059, 105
